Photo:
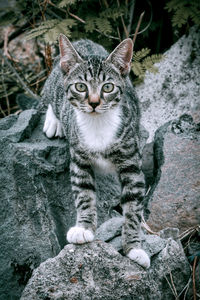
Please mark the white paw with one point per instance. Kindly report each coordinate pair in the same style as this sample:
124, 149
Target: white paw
140, 257
79, 235
52, 126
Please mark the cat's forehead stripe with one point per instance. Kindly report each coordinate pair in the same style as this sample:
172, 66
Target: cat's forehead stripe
95, 70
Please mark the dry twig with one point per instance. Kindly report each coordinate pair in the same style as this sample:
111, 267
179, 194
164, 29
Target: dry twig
186, 287
123, 23
146, 226
131, 15
138, 27
5, 91
173, 285
172, 289
193, 278
2, 111
17, 76
189, 231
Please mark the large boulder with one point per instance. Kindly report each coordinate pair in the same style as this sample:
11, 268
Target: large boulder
97, 271
175, 89
175, 196
37, 207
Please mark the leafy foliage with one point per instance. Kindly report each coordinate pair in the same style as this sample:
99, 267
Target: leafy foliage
64, 3
102, 21
142, 62
184, 11
90, 24
113, 13
51, 29
103, 25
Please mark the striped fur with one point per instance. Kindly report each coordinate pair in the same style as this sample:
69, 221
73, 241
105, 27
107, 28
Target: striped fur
107, 138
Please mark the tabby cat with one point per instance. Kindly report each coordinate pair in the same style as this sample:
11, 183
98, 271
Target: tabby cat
90, 100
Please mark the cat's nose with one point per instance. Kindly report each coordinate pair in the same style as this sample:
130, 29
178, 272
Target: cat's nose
94, 101
94, 104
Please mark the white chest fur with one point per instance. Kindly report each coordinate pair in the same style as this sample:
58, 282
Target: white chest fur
102, 165
98, 131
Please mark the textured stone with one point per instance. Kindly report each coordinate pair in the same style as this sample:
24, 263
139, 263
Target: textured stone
97, 271
110, 229
176, 196
37, 207
148, 163
175, 89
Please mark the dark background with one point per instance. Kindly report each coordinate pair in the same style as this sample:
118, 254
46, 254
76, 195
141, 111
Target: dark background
32, 58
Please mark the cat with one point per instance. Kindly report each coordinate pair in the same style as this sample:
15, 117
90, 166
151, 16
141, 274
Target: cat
90, 100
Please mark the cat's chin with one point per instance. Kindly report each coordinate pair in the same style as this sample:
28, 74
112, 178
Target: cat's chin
79, 235
140, 257
94, 113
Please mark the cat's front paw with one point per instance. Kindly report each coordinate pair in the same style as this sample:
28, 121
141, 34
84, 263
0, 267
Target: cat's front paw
52, 126
79, 235
140, 257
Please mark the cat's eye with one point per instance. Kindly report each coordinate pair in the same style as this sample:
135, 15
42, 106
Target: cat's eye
108, 87
81, 87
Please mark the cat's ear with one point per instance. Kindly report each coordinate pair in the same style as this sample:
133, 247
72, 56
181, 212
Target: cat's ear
68, 55
122, 55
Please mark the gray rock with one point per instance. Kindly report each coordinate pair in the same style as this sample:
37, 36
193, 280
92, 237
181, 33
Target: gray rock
175, 199
175, 89
116, 242
37, 207
97, 271
148, 163
26, 102
170, 232
153, 244
110, 229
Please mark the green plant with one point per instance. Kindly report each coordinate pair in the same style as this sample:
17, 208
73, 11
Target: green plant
142, 62
41, 21
51, 29
94, 22
184, 12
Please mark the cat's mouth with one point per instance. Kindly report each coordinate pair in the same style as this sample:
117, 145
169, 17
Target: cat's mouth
94, 112
97, 111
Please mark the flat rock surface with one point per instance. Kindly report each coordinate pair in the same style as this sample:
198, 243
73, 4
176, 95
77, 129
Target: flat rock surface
97, 271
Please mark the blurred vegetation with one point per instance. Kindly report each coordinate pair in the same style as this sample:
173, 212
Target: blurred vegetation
30, 30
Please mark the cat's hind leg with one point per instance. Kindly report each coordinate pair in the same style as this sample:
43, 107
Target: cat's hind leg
131, 234
52, 126
140, 257
133, 190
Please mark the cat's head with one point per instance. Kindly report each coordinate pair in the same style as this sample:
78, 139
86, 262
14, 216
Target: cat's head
95, 85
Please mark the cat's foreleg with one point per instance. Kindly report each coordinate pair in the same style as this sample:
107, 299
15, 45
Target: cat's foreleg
52, 126
82, 182
132, 181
